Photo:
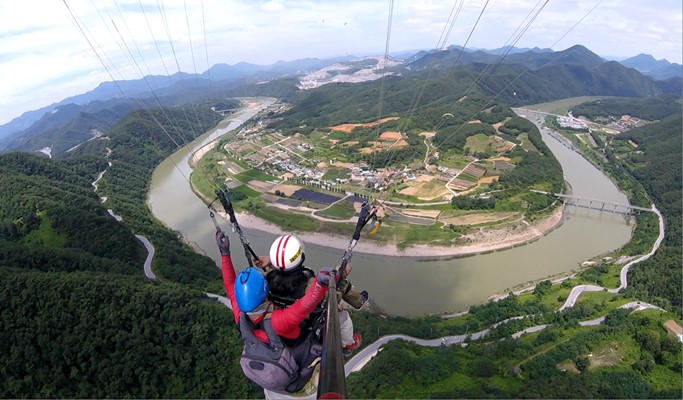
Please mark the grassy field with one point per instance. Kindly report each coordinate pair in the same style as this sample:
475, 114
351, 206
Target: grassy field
412, 234
451, 159
334, 173
252, 174
526, 143
339, 210
45, 234
205, 176
604, 301
561, 107
287, 220
479, 143
246, 190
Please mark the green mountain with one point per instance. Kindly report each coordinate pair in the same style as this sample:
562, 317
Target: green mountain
52, 220
651, 109
78, 318
657, 166
521, 77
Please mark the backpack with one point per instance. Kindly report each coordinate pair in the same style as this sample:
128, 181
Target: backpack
273, 365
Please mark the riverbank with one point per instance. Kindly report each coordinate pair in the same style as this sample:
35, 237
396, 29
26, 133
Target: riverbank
200, 153
481, 242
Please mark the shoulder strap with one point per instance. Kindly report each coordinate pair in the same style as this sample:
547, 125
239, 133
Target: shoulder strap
273, 338
246, 329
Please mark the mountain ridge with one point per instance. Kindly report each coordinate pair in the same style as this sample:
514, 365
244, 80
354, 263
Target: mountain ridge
243, 78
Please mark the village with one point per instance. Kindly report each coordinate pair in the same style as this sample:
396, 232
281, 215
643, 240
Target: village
314, 172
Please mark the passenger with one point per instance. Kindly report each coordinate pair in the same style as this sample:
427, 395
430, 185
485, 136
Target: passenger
266, 328
288, 280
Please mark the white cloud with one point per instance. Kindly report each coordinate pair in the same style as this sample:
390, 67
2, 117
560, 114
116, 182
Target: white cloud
45, 58
273, 6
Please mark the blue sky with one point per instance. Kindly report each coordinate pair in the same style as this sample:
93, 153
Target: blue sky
44, 57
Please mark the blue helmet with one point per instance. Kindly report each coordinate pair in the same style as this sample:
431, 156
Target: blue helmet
251, 288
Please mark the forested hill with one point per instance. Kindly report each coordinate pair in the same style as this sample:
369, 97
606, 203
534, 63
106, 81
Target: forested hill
651, 109
657, 166
78, 318
465, 92
52, 220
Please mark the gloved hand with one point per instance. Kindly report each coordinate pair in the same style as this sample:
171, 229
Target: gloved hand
262, 262
223, 243
323, 277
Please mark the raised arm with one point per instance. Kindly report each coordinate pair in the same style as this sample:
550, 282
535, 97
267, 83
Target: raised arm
287, 322
228, 271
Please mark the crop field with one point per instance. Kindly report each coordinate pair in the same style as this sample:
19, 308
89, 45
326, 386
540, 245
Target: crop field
467, 177
422, 213
245, 190
260, 185
432, 190
252, 174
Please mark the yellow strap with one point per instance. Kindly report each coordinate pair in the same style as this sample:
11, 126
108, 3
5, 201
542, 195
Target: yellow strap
376, 228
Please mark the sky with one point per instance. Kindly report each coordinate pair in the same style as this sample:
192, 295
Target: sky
54, 49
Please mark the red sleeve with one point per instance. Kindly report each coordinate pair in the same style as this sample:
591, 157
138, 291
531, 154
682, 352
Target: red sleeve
286, 322
229, 282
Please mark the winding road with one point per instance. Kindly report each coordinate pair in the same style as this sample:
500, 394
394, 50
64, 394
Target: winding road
148, 245
623, 275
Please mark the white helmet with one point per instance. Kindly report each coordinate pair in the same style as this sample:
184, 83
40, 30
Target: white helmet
287, 253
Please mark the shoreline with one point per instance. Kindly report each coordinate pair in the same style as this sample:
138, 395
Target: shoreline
495, 240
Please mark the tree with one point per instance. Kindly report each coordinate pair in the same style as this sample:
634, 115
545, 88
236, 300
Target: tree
543, 287
484, 368
582, 363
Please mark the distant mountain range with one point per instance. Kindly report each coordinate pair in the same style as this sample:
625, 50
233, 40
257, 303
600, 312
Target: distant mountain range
571, 72
189, 86
657, 69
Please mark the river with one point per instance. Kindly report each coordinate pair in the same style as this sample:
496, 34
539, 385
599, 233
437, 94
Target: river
405, 285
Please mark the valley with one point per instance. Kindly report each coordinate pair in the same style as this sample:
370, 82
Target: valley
61, 250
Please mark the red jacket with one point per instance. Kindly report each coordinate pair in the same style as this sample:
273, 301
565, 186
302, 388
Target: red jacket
286, 322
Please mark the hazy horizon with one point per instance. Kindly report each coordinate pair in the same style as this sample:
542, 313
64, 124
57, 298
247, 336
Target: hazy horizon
62, 49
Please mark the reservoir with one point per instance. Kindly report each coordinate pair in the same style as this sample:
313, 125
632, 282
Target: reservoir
405, 285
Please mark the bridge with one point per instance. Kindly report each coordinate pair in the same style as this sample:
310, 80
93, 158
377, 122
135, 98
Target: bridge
599, 204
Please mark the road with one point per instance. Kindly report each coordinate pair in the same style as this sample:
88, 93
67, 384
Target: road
147, 266
150, 256
623, 274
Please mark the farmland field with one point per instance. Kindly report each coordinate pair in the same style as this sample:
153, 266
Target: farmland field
252, 174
